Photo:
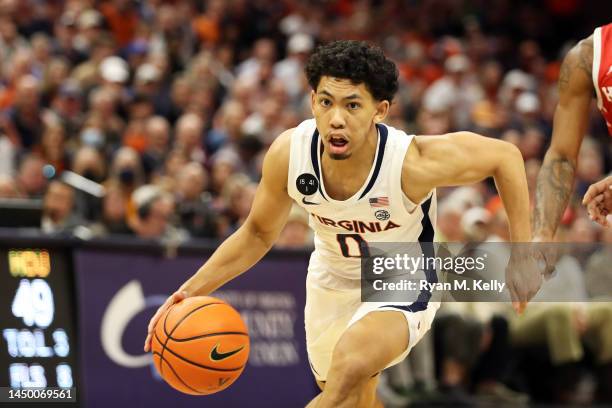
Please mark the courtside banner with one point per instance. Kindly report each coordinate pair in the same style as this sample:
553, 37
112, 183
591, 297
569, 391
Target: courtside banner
119, 292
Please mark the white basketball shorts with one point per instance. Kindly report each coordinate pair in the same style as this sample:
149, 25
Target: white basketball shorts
330, 312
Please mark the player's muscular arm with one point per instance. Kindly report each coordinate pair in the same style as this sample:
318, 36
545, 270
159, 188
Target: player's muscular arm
556, 178
465, 158
260, 230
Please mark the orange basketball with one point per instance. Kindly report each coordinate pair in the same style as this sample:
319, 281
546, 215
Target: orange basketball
200, 345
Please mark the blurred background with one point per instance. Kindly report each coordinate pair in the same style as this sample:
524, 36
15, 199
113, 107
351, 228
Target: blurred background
145, 122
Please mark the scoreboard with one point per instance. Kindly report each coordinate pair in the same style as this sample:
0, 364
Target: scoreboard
37, 319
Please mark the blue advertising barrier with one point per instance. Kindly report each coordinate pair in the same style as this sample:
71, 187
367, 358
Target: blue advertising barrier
119, 291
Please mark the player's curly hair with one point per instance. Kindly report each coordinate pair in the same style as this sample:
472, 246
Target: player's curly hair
355, 60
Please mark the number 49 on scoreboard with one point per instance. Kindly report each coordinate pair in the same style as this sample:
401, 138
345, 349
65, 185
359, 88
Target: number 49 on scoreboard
33, 303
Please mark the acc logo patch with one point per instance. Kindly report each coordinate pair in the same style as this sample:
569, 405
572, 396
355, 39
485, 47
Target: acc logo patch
382, 215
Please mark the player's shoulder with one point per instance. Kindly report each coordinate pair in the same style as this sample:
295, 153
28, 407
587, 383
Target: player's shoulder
436, 147
583, 49
423, 145
276, 161
417, 154
280, 147
575, 75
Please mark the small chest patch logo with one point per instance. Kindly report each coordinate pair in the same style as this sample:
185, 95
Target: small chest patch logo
307, 184
382, 215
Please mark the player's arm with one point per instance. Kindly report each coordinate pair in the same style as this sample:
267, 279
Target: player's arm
556, 178
260, 230
252, 240
465, 158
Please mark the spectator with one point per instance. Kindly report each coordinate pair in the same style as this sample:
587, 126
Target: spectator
58, 215
456, 91
290, 70
122, 18
296, 233
30, 178
67, 105
54, 73
140, 109
126, 172
8, 188
264, 53
531, 144
88, 162
53, 146
154, 209
103, 116
114, 214
157, 131
193, 205
598, 280
86, 74
89, 24
227, 127
188, 136
23, 124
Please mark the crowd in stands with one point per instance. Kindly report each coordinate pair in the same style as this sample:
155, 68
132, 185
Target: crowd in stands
170, 105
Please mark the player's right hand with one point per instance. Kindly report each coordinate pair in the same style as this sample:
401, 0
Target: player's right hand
172, 299
524, 275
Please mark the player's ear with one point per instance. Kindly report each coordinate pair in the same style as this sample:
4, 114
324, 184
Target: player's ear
382, 109
312, 101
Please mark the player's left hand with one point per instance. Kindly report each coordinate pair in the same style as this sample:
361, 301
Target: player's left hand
598, 200
524, 274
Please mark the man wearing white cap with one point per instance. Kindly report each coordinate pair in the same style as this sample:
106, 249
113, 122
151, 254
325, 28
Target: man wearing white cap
114, 70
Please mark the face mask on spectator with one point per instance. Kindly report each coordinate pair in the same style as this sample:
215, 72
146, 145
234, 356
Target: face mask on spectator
92, 175
92, 137
127, 176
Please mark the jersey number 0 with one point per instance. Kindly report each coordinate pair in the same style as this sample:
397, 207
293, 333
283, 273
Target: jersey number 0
353, 246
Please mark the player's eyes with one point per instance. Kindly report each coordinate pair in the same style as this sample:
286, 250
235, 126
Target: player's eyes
353, 105
325, 102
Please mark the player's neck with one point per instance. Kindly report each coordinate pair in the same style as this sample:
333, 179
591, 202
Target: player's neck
360, 158
353, 170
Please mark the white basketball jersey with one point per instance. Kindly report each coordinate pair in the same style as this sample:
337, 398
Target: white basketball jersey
378, 212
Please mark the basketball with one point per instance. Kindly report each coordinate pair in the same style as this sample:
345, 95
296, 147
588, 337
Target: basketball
200, 345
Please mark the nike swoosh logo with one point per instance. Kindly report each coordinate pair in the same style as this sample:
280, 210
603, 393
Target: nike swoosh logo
308, 202
217, 356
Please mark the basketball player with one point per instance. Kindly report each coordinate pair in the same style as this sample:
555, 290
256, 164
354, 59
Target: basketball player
586, 66
344, 167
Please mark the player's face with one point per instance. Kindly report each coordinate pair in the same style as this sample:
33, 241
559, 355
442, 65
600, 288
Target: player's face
345, 114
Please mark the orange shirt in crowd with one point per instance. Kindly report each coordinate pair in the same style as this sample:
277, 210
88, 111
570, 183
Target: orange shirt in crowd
122, 23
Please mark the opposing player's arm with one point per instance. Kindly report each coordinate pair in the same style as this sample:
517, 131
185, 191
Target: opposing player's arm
465, 158
556, 178
260, 230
